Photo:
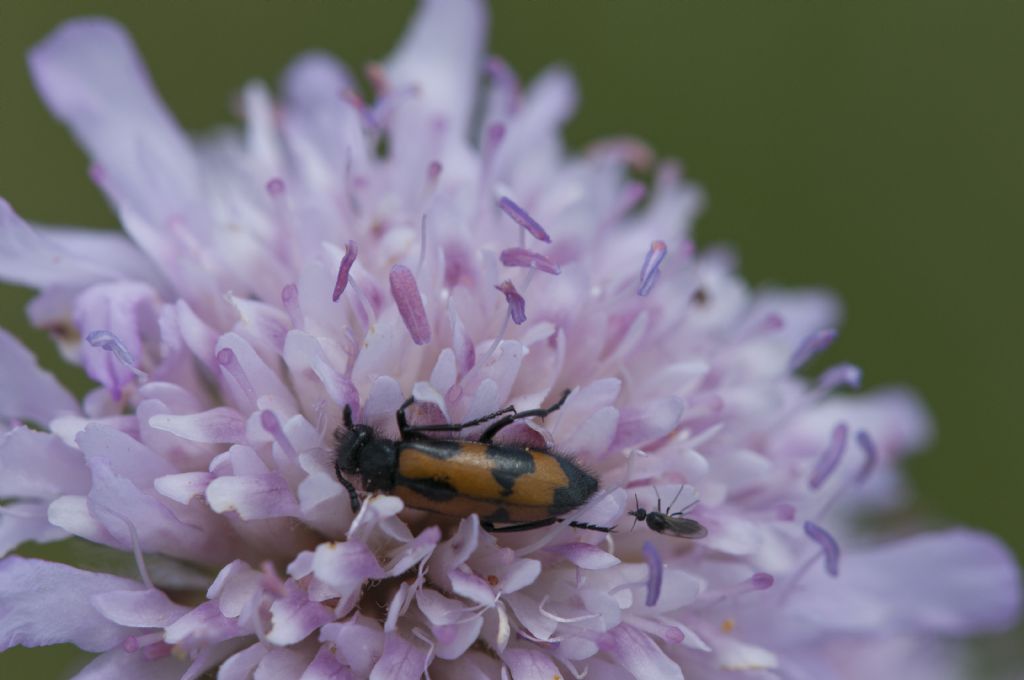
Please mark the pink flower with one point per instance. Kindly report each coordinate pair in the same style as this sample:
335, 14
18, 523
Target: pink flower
269, 278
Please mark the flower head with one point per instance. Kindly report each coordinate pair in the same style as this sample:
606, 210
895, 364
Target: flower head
276, 282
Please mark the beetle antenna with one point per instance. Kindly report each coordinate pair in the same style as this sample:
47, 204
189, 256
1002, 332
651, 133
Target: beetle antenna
346, 416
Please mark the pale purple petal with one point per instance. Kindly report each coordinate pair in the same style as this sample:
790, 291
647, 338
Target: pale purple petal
29, 392
46, 603
218, 425
90, 75
241, 665
325, 666
638, 654
283, 662
647, 422
401, 660
584, 555
346, 565
184, 487
528, 664
149, 608
295, 617
444, 70
204, 624
119, 664
253, 497
41, 258
359, 642
39, 465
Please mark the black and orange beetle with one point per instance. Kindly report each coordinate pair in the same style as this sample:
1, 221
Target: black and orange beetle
668, 522
523, 487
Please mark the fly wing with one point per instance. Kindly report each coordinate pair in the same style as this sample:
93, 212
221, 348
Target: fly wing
684, 527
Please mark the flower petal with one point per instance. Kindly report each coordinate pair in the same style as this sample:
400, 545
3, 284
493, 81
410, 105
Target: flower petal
46, 603
91, 76
29, 392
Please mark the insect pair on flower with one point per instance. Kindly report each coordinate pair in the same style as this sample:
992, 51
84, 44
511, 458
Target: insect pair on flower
512, 485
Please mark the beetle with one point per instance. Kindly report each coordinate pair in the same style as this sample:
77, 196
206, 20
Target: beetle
503, 483
668, 522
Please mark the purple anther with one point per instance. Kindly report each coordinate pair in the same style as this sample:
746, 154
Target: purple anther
351, 250
520, 217
867, 445
410, 305
830, 457
521, 257
516, 303
130, 644
111, 343
654, 573
814, 343
275, 187
828, 546
840, 375
650, 272
762, 581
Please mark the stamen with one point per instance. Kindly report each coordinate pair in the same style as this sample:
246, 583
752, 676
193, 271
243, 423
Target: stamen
563, 619
654, 573
227, 359
840, 375
762, 581
516, 303
813, 344
140, 562
492, 140
828, 545
111, 343
521, 257
506, 80
867, 445
650, 272
410, 306
830, 457
351, 251
290, 301
276, 187
520, 217
270, 423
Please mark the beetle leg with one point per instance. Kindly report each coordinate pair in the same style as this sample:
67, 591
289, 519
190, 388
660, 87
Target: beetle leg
353, 497
499, 425
527, 526
489, 526
403, 423
450, 427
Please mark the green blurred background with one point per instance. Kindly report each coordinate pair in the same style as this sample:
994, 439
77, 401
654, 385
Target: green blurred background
870, 147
